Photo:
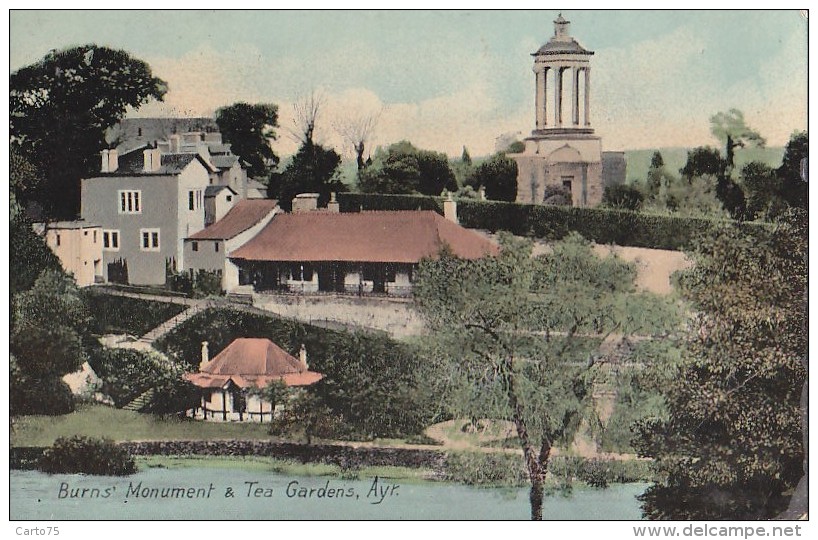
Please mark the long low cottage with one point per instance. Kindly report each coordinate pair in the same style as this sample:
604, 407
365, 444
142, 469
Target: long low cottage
366, 252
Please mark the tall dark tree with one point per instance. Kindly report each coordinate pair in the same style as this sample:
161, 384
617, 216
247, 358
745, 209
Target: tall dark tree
731, 447
249, 129
656, 174
313, 169
793, 187
403, 169
733, 131
60, 108
703, 161
499, 176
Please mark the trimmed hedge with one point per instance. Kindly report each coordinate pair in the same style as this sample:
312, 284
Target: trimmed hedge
355, 202
600, 225
117, 314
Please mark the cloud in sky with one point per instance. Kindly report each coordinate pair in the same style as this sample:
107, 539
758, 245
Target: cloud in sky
445, 80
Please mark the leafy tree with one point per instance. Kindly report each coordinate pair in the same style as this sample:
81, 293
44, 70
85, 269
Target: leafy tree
274, 393
793, 187
48, 330
313, 169
703, 161
31, 256
731, 128
557, 195
499, 176
731, 446
404, 169
250, 129
623, 197
512, 336
60, 108
657, 174
762, 187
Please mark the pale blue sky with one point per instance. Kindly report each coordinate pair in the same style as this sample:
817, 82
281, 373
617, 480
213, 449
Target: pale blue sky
444, 79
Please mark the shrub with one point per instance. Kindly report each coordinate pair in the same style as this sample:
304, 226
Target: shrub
48, 395
116, 314
623, 197
489, 469
355, 202
557, 196
86, 455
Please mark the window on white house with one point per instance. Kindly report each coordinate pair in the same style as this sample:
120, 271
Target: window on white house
229, 198
130, 201
195, 198
58, 239
149, 239
110, 240
194, 246
216, 246
95, 236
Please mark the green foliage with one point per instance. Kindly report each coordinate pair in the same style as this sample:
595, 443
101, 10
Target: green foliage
249, 129
353, 202
702, 161
465, 157
499, 176
731, 447
794, 188
485, 469
31, 257
404, 169
86, 455
128, 373
39, 394
510, 334
195, 284
48, 325
557, 196
600, 225
762, 188
276, 392
82, 91
731, 128
313, 169
116, 314
375, 384
623, 197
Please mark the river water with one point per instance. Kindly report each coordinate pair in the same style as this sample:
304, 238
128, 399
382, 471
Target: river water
204, 493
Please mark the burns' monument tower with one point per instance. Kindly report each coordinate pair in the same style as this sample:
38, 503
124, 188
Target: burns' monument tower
562, 151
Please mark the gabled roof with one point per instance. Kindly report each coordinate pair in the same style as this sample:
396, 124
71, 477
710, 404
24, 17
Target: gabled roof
253, 362
223, 162
241, 217
393, 236
211, 191
133, 164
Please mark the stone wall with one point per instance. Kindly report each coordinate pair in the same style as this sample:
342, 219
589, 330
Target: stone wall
395, 316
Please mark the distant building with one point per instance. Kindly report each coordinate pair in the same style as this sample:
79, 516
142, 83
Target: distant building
78, 245
132, 133
208, 248
245, 364
367, 252
562, 150
147, 203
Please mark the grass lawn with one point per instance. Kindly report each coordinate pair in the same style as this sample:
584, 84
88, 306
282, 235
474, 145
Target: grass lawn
121, 425
283, 466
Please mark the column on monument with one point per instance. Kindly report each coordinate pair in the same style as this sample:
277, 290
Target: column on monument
575, 96
557, 96
587, 96
540, 79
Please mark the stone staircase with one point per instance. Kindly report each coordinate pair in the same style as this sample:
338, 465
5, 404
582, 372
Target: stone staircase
138, 404
170, 324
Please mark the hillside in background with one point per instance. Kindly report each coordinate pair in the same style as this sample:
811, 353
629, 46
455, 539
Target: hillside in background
675, 158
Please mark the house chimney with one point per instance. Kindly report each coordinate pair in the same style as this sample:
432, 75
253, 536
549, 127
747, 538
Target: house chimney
305, 202
205, 355
175, 144
450, 208
332, 205
153, 159
113, 160
104, 161
302, 355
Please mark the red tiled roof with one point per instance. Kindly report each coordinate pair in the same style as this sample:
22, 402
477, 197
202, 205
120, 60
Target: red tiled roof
241, 217
253, 362
393, 236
